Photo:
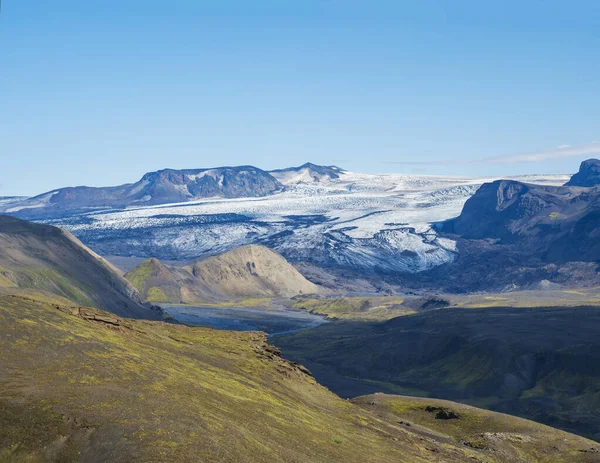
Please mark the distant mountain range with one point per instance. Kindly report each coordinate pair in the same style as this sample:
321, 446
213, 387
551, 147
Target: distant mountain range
168, 186
406, 231
162, 187
558, 224
307, 173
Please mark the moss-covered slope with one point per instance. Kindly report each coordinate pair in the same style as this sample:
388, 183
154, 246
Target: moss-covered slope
246, 272
79, 384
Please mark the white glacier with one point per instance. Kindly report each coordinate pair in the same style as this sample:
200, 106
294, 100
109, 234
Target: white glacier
357, 220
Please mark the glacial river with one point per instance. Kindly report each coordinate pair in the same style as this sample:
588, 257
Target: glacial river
272, 321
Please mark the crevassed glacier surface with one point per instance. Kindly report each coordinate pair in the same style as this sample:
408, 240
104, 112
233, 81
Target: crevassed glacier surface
356, 221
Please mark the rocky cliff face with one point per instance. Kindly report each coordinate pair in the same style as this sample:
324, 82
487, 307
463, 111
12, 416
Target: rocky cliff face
588, 175
513, 235
555, 223
510, 210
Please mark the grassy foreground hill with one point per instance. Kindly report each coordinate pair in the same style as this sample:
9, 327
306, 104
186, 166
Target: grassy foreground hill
41, 257
247, 272
79, 384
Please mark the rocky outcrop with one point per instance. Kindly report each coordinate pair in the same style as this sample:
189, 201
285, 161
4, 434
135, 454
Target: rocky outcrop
307, 173
588, 175
555, 224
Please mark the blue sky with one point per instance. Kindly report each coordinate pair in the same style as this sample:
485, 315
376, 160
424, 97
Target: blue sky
98, 93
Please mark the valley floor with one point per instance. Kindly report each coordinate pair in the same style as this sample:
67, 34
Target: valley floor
536, 362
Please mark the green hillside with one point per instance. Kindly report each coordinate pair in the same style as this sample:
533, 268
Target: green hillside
246, 272
45, 258
79, 384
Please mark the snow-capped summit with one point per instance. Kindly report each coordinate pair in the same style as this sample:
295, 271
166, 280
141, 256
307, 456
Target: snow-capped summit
307, 173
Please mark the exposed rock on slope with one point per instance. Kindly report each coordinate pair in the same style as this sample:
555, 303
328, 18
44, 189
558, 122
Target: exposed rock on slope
245, 272
41, 257
124, 390
557, 224
307, 173
588, 175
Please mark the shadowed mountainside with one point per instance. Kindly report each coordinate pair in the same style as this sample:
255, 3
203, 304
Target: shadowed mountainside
556, 224
539, 363
82, 385
41, 257
246, 272
512, 235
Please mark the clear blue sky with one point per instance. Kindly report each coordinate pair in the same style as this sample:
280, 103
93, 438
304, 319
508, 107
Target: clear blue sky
100, 92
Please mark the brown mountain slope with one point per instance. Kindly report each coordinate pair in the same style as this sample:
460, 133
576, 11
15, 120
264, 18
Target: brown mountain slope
245, 272
82, 385
41, 257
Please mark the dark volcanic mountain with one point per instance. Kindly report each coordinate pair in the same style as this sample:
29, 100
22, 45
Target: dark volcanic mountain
162, 187
513, 235
557, 224
588, 175
44, 258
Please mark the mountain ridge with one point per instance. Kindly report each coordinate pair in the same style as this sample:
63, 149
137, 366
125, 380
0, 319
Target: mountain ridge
160, 187
558, 224
168, 186
41, 257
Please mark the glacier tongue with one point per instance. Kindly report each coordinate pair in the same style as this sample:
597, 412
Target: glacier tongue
359, 221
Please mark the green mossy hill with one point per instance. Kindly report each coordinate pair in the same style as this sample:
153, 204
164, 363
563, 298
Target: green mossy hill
158, 283
246, 272
353, 308
79, 384
500, 436
41, 257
